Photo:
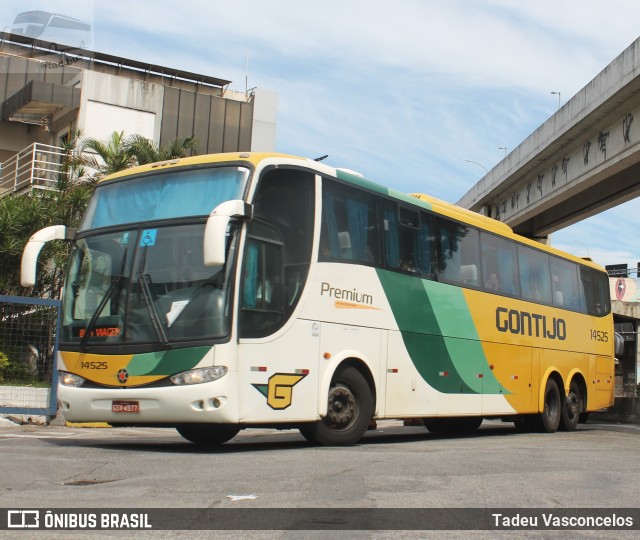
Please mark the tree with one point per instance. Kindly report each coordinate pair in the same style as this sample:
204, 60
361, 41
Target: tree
115, 154
22, 215
120, 153
145, 151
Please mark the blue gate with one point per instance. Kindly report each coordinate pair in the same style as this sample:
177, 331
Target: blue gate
29, 329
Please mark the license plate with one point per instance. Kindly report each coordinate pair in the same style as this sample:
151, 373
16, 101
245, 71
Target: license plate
125, 406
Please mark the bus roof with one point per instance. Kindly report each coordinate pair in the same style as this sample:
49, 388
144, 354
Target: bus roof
419, 199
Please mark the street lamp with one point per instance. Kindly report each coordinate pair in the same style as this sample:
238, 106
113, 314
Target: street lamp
558, 94
476, 163
503, 148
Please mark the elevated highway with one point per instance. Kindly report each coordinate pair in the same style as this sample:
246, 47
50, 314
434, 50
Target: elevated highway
583, 160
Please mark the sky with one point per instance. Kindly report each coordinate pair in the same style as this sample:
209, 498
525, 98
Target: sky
418, 95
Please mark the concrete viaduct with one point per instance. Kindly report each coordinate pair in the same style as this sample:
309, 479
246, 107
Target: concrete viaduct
584, 159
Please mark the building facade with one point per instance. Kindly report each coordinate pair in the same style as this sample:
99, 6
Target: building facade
48, 92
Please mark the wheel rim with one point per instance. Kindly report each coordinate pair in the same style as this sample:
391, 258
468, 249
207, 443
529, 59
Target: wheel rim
343, 407
573, 405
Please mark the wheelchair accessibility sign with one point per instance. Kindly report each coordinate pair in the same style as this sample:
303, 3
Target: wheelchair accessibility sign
148, 237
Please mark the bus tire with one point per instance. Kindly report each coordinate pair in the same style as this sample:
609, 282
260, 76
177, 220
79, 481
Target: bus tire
208, 434
349, 411
452, 426
549, 419
571, 408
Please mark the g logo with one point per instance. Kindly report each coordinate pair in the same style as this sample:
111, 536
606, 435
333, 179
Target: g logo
279, 389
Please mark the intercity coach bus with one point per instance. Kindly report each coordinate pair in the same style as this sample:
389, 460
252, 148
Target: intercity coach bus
222, 292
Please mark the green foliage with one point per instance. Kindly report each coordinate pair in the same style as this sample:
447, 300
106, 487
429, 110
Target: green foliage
145, 151
120, 153
4, 365
23, 215
115, 154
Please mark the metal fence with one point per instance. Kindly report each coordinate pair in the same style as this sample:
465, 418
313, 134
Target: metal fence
28, 345
35, 167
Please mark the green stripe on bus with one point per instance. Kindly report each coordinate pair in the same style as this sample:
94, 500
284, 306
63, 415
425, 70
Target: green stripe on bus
377, 188
439, 334
361, 182
465, 350
166, 362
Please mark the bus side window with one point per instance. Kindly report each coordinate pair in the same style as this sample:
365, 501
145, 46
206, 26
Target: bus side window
350, 228
564, 283
499, 265
262, 295
285, 199
458, 253
535, 278
595, 291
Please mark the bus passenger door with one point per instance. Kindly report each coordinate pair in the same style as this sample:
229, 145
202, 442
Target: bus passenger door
278, 376
277, 359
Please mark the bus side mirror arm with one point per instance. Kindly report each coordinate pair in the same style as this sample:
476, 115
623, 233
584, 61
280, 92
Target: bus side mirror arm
215, 231
34, 246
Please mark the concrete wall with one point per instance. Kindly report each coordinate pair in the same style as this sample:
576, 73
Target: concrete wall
265, 106
15, 137
218, 124
110, 103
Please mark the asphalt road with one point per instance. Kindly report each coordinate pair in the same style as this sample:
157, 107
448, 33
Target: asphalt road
393, 467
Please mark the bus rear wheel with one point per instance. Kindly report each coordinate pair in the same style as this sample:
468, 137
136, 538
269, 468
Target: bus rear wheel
571, 408
349, 411
451, 426
208, 434
549, 419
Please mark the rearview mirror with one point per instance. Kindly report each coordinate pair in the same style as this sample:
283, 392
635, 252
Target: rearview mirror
215, 231
33, 248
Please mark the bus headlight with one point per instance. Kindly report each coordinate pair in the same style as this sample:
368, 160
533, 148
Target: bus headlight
69, 379
199, 375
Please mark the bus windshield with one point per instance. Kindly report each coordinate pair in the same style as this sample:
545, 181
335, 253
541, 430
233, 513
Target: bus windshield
137, 272
169, 195
144, 285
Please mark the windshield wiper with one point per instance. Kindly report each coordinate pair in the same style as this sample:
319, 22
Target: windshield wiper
143, 279
115, 281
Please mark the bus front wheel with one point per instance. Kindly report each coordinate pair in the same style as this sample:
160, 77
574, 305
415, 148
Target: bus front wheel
549, 418
207, 434
350, 408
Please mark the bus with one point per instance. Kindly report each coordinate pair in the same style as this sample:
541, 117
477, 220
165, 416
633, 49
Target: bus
54, 28
230, 291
